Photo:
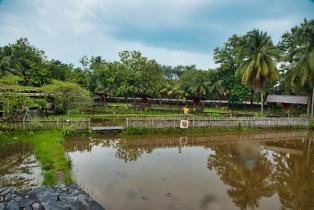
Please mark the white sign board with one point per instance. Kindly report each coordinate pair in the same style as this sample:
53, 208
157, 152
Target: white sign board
184, 124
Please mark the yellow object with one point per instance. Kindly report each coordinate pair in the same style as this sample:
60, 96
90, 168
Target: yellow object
185, 110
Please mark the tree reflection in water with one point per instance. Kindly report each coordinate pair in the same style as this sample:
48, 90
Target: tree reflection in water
295, 177
248, 184
17, 167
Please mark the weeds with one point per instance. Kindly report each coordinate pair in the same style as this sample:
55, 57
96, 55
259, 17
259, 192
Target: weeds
68, 130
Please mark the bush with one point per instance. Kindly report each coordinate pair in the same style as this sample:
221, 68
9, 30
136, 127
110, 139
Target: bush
60, 110
312, 124
68, 130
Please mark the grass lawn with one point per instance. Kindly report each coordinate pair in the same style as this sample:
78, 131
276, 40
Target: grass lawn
120, 110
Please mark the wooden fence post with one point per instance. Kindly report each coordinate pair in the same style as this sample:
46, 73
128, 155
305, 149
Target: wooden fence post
193, 122
265, 122
88, 123
23, 123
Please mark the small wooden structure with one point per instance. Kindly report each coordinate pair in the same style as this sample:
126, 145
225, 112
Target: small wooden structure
198, 102
144, 102
99, 99
286, 100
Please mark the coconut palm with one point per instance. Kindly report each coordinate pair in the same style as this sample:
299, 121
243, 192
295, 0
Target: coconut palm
180, 91
216, 87
200, 85
258, 67
302, 74
9, 64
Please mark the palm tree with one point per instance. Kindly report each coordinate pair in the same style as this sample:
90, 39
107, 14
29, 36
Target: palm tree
302, 73
216, 87
200, 85
9, 64
258, 66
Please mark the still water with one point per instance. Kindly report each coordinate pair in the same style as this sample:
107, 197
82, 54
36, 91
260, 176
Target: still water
208, 171
18, 167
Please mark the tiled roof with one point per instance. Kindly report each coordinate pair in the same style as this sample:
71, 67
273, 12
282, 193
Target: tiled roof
287, 99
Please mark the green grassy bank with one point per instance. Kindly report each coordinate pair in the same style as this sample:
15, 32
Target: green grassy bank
49, 151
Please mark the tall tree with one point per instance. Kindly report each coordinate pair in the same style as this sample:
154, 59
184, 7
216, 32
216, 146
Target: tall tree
225, 56
258, 67
33, 60
302, 57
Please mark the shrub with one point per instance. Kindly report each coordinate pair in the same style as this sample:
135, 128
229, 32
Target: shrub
68, 130
60, 110
312, 124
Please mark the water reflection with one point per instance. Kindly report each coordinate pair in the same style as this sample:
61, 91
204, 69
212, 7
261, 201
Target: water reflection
246, 170
256, 171
18, 167
295, 177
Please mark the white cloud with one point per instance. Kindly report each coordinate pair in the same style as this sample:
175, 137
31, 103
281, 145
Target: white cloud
67, 30
274, 28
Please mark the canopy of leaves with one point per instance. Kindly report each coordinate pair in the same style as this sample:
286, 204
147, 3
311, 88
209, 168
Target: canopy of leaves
67, 94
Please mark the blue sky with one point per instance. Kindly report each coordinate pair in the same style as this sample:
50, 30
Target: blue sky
172, 32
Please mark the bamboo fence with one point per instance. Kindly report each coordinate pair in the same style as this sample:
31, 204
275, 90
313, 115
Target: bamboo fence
212, 122
48, 124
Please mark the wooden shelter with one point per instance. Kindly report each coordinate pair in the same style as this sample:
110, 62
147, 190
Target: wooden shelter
198, 105
286, 100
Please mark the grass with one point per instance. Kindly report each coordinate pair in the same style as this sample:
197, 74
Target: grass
49, 150
146, 131
101, 112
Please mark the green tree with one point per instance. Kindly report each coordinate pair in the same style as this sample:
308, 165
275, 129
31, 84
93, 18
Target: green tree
200, 83
68, 95
9, 63
33, 60
138, 74
59, 71
225, 56
258, 67
301, 56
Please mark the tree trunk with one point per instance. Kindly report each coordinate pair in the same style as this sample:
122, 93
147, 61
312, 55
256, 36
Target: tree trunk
312, 103
262, 104
308, 104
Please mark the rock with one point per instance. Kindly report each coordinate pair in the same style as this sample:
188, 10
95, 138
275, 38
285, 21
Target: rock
12, 205
8, 197
38, 206
1, 205
5, 191
70, 197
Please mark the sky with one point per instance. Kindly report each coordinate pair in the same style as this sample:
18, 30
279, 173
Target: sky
173, 32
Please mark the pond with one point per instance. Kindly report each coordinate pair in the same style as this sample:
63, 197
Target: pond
19, 168
270, 170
